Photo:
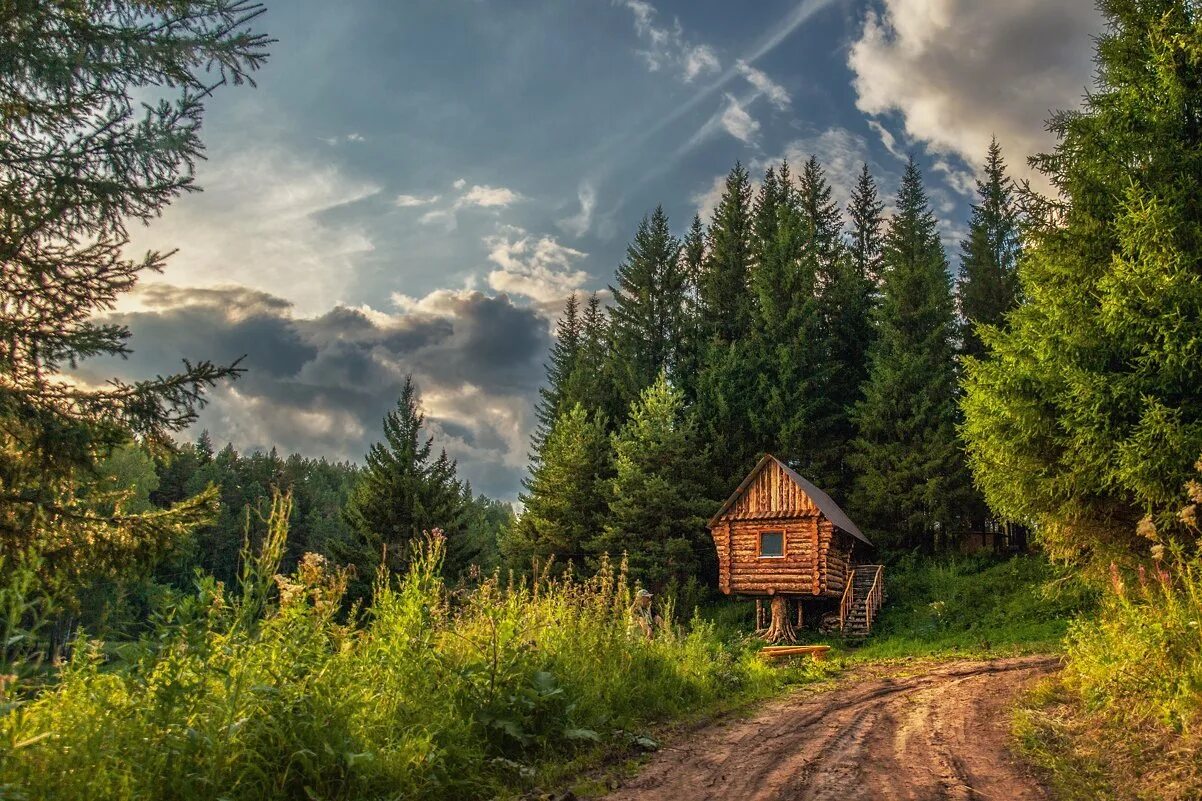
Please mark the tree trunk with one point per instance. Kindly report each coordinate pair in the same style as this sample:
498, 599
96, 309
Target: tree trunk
781, 628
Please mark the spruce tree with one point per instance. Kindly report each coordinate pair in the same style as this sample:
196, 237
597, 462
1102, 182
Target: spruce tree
559, 368
1086, 413
402, 492
911, 484
82, 158
691, 347
649, 304
565, 495
988, 286
592, 383
726, 271
866, 212
658, 508
784, 352
727, 380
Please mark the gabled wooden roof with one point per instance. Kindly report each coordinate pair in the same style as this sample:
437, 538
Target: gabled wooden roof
826, 505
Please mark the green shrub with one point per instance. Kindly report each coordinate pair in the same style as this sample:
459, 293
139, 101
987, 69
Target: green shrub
430, 694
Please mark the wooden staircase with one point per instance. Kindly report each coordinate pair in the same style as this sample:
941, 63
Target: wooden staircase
861, 601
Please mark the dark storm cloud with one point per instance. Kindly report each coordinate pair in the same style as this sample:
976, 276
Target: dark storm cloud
321, 385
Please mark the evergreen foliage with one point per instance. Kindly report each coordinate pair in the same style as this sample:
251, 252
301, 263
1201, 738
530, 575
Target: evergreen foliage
657, 506
784, 353
911, 482
403, 491
566, 493
866, 213
561, 363
80, 159
691, 347
1085, 414
726, 269
988, 286
647, 316
591, 382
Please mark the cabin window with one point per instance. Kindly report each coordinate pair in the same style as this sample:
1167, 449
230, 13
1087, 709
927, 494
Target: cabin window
772, 544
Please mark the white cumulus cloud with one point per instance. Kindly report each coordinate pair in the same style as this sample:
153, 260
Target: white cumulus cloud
958, 72
536, 267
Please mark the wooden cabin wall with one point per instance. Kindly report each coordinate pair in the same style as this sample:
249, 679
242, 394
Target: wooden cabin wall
836, 560
741, 570
772, 494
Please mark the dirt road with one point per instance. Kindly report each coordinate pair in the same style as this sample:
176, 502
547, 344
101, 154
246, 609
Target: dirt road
939, 731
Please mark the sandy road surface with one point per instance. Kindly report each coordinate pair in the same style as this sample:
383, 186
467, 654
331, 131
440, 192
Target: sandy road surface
939, 734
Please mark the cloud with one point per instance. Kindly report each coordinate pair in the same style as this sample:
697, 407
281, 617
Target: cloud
959, 71
538, 268
737, 122
334, 141
707, 199
841, 153
667, 46
412, 201
487, 197
321, 384
267, 218
888, 140
699, 60
480, 196
764, 85
579, 223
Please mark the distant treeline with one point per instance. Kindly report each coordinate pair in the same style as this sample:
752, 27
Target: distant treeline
320, 523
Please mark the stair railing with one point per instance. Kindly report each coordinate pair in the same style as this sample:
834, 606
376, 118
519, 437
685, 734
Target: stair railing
849, 598
875, 596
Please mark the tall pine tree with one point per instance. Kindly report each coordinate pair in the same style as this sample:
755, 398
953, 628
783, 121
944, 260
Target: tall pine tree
988, 286
649, 304
726, 271
866, 213
911, 483
559, 368
726, 381
1086, 413
691, 348
784, 352
591, 382
83, 156
401, 493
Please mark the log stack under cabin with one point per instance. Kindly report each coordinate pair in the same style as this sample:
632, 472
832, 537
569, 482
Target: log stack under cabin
781, 538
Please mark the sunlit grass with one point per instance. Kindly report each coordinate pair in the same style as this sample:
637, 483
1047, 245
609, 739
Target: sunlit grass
271, 693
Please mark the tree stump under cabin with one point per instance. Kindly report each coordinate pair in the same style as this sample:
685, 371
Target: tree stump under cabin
780, 630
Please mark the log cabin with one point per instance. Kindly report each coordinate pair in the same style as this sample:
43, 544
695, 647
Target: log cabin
779, 537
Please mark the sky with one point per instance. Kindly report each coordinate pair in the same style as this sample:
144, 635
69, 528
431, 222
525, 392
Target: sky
414, 187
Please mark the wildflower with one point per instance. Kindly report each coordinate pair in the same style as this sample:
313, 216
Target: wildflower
1158, 552
1116, 581
1189, 515
1147, 529
1194, 488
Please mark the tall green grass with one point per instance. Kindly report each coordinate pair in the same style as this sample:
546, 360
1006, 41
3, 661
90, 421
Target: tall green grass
975, 606
431, 694
1140, 659
1124, 719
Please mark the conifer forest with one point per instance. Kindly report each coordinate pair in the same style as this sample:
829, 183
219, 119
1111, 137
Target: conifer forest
979, 383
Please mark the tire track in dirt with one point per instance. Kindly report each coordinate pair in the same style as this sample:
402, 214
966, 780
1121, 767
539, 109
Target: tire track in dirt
939, 734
